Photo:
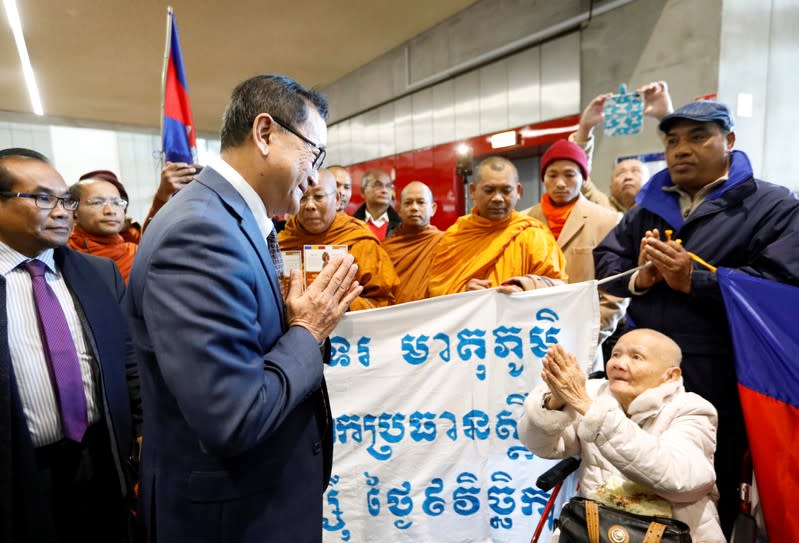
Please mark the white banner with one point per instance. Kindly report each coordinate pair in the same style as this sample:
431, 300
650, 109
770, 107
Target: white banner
426, 397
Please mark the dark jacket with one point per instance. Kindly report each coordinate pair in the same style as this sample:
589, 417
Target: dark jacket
745, 224
394, 220
237, 435
97, 287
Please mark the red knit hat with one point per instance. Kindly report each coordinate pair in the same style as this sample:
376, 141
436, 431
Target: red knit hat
565, 150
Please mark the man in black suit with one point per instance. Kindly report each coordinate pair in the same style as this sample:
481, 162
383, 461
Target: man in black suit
66, 367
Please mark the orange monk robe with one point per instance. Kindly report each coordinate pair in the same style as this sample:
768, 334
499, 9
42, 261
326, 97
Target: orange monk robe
412, 255
113, 247
475, 247
375, 271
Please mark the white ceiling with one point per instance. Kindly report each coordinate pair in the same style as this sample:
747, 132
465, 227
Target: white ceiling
100, 61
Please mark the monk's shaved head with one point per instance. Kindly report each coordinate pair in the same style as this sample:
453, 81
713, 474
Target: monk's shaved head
496, 188
319, 204
496, 164
415, 186
326, 180
416, 205
343, 185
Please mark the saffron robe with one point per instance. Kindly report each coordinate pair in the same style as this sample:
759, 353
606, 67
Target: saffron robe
113, 247
412, 254
375, 271
476, 247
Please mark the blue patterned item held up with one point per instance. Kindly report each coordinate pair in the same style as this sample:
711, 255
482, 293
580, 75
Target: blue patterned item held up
623, 113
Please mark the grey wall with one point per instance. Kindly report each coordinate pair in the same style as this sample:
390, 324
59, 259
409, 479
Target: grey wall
649, 40
759, 52
633, 42
536, 84
481, 28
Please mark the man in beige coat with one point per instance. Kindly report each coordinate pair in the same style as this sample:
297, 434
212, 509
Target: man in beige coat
577, 224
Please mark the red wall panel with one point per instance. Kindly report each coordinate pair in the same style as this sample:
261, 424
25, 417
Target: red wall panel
435, 166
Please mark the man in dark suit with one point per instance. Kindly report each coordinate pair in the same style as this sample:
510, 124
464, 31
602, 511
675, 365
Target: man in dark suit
238, 437
65, 368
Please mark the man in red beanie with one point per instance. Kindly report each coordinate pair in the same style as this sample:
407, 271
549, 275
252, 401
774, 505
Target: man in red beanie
577, 224
100, 218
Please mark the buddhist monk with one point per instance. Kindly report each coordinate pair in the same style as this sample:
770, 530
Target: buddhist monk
343, 186
100, 218
413, 245
318, 223
494, 242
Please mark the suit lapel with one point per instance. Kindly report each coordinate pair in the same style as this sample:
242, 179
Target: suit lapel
573, 225
233, 200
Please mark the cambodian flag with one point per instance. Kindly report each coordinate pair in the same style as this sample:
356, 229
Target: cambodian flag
179, 138
764, 322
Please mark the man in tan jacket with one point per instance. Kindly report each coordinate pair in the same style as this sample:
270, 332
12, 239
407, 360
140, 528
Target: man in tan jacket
577, 224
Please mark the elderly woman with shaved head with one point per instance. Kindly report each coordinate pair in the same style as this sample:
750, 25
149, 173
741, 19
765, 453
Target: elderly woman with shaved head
647, 445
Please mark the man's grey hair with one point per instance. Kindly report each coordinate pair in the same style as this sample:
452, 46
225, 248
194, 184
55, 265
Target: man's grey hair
372, 175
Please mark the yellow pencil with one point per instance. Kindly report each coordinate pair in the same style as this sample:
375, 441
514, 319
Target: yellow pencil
695, 258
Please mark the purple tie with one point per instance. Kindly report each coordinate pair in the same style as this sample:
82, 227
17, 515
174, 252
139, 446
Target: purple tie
59, 350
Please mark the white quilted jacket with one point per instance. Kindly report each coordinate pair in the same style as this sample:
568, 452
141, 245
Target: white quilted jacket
666, 445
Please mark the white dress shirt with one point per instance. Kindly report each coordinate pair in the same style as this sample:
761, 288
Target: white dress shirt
379, 221
36, 388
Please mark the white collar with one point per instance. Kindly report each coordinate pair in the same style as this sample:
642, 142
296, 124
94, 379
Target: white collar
251, 197
10, 259
378, 221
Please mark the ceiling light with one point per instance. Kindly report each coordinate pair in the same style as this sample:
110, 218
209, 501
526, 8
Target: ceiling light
30, 80
529, 133
504, 139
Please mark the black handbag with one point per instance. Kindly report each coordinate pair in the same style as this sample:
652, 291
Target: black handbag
586, 521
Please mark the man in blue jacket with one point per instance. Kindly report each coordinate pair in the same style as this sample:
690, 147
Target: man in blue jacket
710, 200
238, 438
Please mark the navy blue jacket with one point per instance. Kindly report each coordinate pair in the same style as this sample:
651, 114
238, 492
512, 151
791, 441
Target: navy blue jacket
97, 287
237, 431
745, 224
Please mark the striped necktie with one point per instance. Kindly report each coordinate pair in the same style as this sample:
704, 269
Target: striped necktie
274, 252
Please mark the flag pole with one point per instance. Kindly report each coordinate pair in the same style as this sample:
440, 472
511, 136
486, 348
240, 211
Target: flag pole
167, 47
623, 274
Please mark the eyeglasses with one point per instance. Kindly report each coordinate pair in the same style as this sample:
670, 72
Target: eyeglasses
321, 152
318, 197
43, 200
118, 203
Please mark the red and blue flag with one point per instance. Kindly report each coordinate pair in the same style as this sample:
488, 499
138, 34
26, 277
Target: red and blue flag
179, 135
764, 322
